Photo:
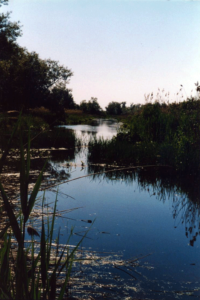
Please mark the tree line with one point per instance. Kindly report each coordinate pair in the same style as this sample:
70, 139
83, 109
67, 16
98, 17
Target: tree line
114, 108
27, 81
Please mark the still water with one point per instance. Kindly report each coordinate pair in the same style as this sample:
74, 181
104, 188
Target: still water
147, 224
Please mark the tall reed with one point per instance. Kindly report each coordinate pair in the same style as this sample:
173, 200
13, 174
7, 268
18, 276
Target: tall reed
29, 273
157, 134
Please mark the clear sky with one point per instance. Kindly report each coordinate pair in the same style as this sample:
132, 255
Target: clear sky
118, 49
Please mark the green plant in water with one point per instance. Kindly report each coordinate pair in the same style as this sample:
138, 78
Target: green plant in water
29, 273
159, 133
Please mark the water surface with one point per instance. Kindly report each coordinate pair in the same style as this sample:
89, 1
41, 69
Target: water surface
137, 214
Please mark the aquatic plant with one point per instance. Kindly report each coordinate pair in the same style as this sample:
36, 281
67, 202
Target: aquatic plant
161, 134
27, 272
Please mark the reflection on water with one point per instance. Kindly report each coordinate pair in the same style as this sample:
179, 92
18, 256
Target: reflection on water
183, 193
101, 128
61, 156
147, 213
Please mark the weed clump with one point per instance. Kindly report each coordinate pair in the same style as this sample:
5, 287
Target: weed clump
158, 134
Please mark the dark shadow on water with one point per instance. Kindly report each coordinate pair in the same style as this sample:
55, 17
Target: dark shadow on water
165, 184
61, 156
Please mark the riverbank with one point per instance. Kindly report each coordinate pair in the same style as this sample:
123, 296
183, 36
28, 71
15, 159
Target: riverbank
158, 134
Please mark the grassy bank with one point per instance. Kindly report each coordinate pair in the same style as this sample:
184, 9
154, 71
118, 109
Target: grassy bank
66, 117
157, 134
42, 134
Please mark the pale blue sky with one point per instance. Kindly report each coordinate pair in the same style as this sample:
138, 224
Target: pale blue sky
118, 49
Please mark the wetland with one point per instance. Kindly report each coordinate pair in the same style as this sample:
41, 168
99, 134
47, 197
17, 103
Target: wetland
144, 240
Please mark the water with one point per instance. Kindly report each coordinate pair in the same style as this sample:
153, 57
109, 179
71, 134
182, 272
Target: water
101, 128
136, 215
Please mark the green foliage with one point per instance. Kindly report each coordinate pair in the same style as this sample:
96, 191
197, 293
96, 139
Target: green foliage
91, 107
150, 124
26, 80
61, 97
29, 274
57, 138
117, 152
9, 32
114, 108
120, 108
156, 134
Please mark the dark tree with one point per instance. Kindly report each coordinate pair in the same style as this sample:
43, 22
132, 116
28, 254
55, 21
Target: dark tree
91, 107
9, 32
114, 108
61, 97
26, 80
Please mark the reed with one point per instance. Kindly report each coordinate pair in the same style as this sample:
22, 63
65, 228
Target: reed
157, 134
28, 272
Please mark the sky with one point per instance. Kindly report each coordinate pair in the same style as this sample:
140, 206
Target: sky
118, 50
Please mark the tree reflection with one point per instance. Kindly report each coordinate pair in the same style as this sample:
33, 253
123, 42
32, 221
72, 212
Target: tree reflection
183, 193
59, 156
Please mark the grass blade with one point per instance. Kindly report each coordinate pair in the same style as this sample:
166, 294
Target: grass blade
3, 158
4, 271
4, 230
11, 215
53, 287
34, 193
6, 293
66, 281
51, 231
23, 180
43, 255
28, 154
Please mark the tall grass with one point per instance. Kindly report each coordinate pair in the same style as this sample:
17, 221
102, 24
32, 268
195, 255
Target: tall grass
28, 273
158, 133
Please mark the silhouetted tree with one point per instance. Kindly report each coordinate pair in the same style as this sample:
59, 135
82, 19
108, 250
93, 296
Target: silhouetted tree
114, 108
91, 107
9, 32
25, 79
61, 96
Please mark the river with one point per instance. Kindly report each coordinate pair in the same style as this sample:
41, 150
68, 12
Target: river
146, 227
